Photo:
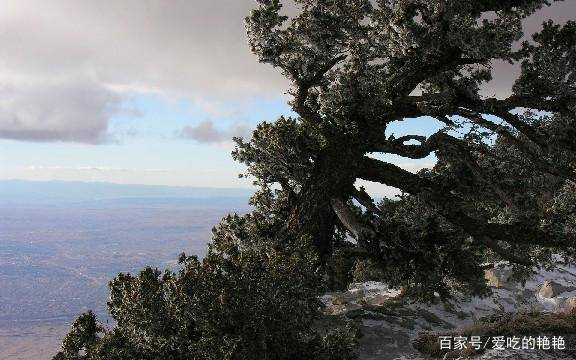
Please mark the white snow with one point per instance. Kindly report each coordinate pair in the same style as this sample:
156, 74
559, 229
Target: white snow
461, 311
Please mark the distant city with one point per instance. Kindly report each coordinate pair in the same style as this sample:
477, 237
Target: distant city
62, 242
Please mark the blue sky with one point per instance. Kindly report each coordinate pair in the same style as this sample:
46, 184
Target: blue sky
145, 145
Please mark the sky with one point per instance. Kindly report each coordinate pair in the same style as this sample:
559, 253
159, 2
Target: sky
143, 91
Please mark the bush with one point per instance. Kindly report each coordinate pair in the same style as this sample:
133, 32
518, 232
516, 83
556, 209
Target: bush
246, 299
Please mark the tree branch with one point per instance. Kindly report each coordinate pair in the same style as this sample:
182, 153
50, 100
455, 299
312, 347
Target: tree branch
504, 253
491, 105
361, 232
524, 128
365, 200
535, 157
427, 145
450, 206
304, 85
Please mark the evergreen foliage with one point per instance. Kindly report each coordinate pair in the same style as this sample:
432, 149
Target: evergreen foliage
504, 175
247, 299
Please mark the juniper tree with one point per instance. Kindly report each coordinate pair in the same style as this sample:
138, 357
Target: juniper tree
504, 179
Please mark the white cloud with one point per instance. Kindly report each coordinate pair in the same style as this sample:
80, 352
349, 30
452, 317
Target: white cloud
66, 63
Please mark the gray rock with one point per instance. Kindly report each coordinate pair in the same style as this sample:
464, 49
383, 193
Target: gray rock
552, 289
498, 278
383, 342
452, 355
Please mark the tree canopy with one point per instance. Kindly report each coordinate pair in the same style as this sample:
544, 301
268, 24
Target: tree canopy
503, 182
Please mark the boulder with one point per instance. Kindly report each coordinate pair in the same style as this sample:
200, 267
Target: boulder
568, 305
552, 289
498, 277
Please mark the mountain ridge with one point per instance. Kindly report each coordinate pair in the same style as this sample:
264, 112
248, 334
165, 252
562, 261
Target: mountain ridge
24, 192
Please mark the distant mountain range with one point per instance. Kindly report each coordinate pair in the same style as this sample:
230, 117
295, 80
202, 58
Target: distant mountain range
98, 194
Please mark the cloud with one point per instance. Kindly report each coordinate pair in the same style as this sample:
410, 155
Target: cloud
177, 46
206, 132
66, 64
66, 111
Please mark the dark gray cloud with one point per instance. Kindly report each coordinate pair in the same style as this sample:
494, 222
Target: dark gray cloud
207, 132
177, 48
76, 110
66, 64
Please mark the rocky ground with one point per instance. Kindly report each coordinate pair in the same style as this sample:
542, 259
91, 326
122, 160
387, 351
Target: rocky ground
390, 323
